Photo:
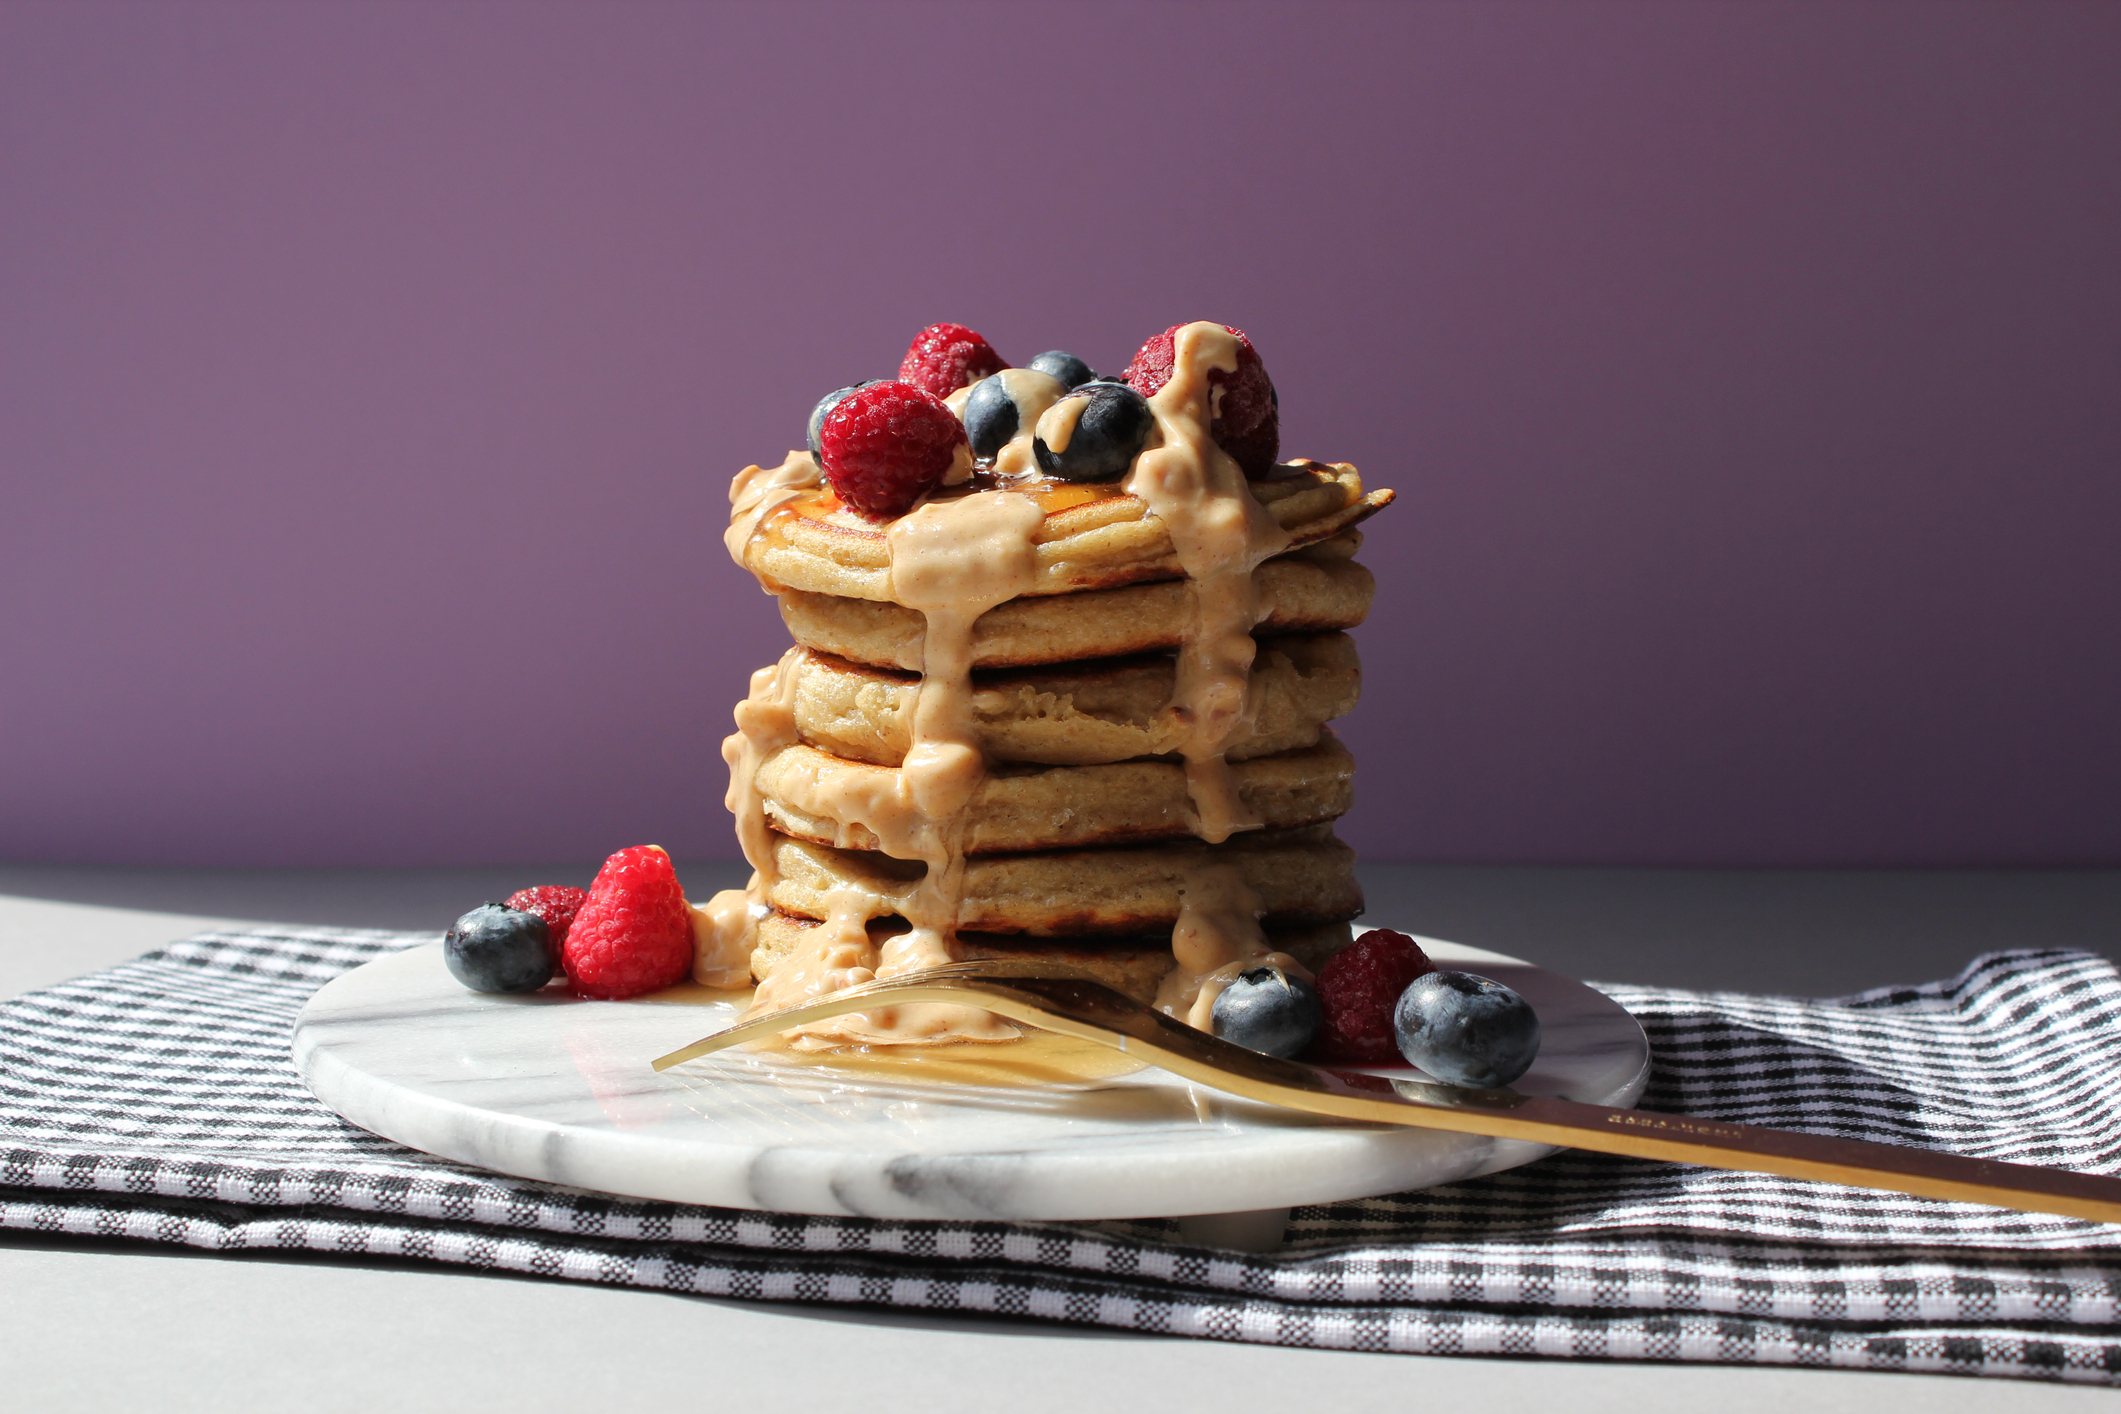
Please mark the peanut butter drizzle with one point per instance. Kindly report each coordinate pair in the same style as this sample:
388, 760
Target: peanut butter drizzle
1056, 424
835, 955
757, 492
952, 559
724, 931
725, 928
1221, 533
1033, 393
1217, 936
1016, 461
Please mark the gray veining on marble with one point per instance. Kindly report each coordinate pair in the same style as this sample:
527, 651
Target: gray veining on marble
558, 1088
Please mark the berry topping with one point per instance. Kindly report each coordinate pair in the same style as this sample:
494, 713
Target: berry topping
634, 933
1247, 422
889, 444
1266, 1009
497, 949
947, 357
557, 904
1071, 371
1001, 406
1466, 1030
1093, 434
826, 404
1358, 987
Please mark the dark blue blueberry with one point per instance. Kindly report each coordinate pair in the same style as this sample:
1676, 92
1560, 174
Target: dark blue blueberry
824, 406
497, 949
1466, 1030
1071, 371
1265, 1009
991, 418
1109, 432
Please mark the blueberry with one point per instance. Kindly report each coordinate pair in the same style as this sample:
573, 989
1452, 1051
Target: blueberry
1071, 371
498, 949
1000, 406
1108, 423
824, 406
1265, 1009
1466, 1030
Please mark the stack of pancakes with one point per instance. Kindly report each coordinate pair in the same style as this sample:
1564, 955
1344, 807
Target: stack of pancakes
1079, 841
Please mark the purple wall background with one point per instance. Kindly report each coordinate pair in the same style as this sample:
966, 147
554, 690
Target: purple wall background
370, 377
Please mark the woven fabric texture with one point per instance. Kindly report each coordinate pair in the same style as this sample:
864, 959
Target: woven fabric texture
157, 1101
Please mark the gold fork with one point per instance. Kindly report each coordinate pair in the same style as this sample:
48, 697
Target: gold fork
1071, 1003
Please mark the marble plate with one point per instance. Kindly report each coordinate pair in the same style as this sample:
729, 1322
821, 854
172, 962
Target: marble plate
557, 1088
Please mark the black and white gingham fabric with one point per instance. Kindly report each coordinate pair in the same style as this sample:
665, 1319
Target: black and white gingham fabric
156, 1101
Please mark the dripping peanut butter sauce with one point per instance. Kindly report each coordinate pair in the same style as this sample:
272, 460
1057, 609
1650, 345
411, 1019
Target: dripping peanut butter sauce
952, 558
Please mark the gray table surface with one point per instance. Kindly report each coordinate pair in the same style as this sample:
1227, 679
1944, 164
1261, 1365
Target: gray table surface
98, 1324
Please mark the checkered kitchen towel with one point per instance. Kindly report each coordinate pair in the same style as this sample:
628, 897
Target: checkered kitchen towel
157, 1101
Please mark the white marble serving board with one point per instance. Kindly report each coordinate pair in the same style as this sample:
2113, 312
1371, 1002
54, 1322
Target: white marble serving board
559, 1088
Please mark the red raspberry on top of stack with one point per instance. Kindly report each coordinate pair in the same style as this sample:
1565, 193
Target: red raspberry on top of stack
1247, 415
889, 444
947, 357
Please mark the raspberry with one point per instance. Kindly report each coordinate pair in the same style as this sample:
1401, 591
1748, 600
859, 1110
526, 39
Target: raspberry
947, 357
1247, 421
557, 904
1358, 987
889, 444
634, 932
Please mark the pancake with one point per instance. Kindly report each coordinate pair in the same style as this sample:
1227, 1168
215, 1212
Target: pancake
1300, 876
1133, 965
812, 795
1080, 714
1313, 590
1094, 536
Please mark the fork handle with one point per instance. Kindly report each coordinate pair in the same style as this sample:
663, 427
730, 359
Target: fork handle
1858, 1163
1085, 1009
